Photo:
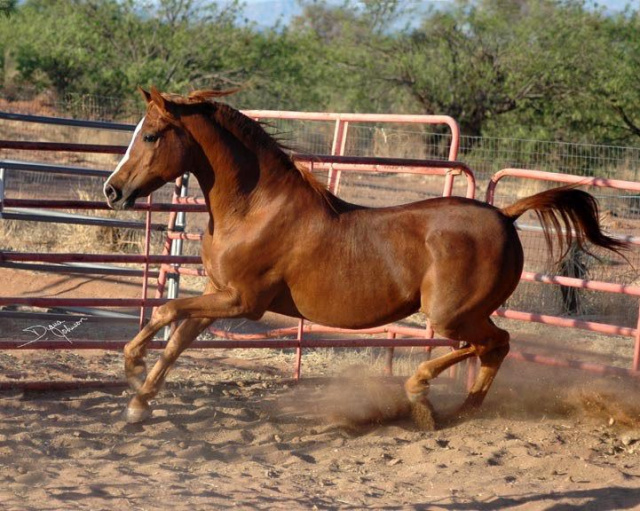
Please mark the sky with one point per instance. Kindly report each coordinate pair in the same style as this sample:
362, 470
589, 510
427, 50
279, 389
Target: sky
614, 5
266, 13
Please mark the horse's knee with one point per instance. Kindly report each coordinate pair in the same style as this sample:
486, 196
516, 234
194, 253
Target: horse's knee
164, 314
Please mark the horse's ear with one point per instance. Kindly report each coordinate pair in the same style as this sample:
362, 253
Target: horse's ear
158, 99
145, 94
203, 95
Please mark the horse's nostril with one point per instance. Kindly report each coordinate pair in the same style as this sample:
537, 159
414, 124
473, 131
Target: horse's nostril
112, 193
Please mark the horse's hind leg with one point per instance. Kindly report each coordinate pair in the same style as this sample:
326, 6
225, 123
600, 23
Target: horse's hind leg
189, 329
491, 351
417, 387
486, 340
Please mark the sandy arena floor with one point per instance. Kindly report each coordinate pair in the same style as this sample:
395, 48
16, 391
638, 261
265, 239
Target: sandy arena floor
232, 430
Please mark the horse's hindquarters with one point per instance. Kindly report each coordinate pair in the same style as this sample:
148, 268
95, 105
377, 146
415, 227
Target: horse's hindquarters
476, 263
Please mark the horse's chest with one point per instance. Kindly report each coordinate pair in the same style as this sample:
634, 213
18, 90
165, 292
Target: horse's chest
232, 260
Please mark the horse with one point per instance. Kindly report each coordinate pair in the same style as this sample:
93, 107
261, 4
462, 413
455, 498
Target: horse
278, 241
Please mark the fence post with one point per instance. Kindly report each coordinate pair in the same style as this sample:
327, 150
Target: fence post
636, 347
173, 279
300, 336
388, 366
337, 149
3, 177
176, 245
147, 249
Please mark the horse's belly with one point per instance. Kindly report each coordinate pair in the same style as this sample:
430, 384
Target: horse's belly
356, 308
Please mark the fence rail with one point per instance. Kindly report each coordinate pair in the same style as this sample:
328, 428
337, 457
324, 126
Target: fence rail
60, 121
334, 165
170, 263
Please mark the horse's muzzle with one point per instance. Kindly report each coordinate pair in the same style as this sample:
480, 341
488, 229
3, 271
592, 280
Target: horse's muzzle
112, 194
116, 200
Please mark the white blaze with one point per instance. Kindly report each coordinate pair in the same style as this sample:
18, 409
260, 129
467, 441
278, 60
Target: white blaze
125, 158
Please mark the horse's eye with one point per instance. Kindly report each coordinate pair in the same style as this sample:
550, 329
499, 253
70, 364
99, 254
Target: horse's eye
150, 137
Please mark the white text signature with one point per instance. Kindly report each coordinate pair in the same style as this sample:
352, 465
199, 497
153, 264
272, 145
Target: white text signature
57, 329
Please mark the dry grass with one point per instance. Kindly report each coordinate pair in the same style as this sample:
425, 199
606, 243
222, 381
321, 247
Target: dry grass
618, 215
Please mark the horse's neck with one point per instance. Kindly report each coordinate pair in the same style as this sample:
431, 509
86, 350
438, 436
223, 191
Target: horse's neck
236, 175
220, 172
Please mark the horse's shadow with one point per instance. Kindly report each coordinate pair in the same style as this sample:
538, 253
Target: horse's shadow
600, 499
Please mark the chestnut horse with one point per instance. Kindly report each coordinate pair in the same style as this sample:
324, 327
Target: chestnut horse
278, 241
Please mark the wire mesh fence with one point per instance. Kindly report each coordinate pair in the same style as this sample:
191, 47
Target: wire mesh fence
620, 211
72, 105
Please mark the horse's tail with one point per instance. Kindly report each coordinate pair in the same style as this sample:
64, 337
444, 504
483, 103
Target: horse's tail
572, 213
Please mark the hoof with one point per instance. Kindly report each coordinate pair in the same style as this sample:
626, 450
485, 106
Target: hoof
422, 415
421, 409
137, 415
416, 393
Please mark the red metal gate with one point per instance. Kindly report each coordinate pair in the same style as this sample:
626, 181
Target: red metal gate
334, 164
167, 263
608, 287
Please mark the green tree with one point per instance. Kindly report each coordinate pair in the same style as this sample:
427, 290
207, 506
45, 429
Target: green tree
8, 7
107, 47
553, 69
481, 60
612, 97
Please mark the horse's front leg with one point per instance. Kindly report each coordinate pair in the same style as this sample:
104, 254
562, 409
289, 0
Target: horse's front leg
135, 350
198, 314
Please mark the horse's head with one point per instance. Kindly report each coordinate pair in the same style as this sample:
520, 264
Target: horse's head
160, 151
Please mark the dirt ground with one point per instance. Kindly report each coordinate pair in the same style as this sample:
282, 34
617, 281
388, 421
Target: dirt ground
231, 429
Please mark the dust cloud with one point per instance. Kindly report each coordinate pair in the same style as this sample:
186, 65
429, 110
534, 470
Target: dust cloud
532, 391
359, 396
354, 398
